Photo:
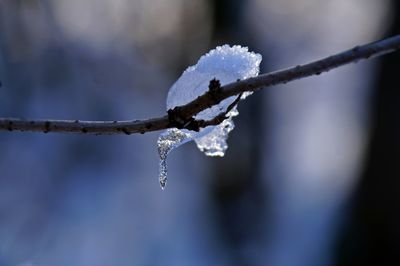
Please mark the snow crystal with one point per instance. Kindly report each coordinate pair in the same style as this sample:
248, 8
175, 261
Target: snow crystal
226, 64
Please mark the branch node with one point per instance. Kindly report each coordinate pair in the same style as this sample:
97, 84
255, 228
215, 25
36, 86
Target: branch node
46, 127
194, 125
214, 87
176, 119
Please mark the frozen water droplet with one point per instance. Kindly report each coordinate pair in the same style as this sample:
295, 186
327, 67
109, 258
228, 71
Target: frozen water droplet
163, 173
169, 140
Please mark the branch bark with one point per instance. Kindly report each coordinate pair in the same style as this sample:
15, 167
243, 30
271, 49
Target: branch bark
182, 116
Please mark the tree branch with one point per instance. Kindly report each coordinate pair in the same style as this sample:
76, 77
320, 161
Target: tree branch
182, 116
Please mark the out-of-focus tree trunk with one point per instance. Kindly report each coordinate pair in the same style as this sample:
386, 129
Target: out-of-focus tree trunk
235, 185
372, 232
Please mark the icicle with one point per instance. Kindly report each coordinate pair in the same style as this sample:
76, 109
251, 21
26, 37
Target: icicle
169, 140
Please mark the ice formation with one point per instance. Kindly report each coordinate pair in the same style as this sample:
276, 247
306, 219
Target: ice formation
226, 64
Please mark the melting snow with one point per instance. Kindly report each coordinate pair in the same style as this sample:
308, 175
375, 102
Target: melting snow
226, 64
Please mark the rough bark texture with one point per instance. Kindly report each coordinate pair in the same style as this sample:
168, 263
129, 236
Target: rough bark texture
182, 116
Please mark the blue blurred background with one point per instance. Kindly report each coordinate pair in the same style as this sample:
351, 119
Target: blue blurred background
311, 176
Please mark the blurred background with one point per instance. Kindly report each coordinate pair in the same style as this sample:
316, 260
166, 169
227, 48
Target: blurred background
311, 176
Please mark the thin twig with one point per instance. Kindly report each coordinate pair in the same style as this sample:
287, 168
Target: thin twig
196, 125
212, 97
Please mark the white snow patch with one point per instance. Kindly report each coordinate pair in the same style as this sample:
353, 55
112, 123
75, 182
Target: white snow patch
226, 64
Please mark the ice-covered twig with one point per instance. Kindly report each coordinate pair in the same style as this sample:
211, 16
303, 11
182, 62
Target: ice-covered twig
187, 112
217, 119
